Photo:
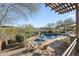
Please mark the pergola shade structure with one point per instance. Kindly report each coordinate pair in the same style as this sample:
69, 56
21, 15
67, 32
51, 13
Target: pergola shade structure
62, 8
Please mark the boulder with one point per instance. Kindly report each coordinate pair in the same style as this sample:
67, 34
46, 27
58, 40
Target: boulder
2, 45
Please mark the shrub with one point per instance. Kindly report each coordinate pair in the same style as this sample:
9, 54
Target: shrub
22, 37
11, 41
50, 32
65, 42
19, 38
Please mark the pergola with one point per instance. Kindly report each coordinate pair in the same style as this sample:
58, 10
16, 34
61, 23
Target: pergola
62, 8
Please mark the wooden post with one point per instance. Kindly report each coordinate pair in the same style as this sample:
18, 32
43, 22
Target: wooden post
77, 27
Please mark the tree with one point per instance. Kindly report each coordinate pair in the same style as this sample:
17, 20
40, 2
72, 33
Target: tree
60, 23
29, 28
68, 21
9, 12
50, 25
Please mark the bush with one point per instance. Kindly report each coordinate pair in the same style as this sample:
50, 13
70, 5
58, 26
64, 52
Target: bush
22, 37
29, 34
65, 42
19, 38
50, 32
11, 41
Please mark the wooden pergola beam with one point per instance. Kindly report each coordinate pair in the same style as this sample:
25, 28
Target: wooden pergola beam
67, 8
61, 7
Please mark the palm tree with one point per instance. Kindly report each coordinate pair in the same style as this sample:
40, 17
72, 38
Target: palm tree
9, 12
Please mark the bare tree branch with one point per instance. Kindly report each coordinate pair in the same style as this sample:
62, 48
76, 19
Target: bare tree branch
25, 10
19, 10
6, 11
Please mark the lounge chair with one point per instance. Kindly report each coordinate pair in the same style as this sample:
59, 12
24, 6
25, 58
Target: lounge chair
44, 48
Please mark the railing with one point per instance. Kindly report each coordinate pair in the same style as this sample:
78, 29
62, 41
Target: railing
70, 49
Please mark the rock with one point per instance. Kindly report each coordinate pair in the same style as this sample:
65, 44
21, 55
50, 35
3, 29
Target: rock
2, 45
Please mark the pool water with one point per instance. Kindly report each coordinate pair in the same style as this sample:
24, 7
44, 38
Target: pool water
46, 36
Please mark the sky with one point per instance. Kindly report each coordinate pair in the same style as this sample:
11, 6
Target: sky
45, 16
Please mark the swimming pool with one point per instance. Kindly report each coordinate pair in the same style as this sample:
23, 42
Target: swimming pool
45, 36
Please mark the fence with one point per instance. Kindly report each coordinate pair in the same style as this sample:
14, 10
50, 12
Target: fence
71, 49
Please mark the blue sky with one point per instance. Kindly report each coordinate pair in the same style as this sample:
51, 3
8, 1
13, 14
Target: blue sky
45, 16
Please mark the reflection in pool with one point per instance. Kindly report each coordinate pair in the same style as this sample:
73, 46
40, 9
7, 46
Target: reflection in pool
45, 36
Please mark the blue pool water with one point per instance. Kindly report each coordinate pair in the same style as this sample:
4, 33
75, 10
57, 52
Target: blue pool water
46, 36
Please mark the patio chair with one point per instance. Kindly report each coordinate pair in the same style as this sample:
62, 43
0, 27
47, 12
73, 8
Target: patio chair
44, 48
